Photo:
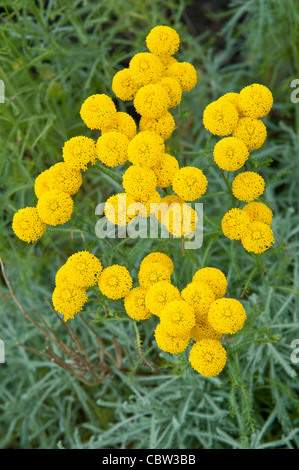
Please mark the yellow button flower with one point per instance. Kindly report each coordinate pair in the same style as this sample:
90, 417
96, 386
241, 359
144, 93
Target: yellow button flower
55, 207
82, 269
98, 111
139, 182
158, 257
166, 170
189, 183
41, 184
248, 186
259, 212
169, 343
146, 68
159, 295
208, 357
163, 41
200, 296
64, 177
220, 118
174, 90
28, 225
178, 318
255, 100
112, 148
79, 151
185, 73
230, 153
124, 123
115, 282
68, 300
227, 315
152, 272
203, 330
235, 223
146, 149
124, 85
258, 238
135, 304
163, 125
253, 132
151, 101
214, 277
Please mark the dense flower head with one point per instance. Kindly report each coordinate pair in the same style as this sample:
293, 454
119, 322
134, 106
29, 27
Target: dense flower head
227, 315
220, 117
123, 123
146, 68
98, 111
253, 132
167, 61
248, 186
151, 101
168, 342
214, 277
159, 295
208, 357
135, 304
55, 207
259, 212
68, 300
230, 153
163, 125
178, 318
178, 217
258, 238
152, 272
185, 73
235, 223
28, 225
124, 85
158, 257
115, 282
174, 90
82, 269
255, 100
232, 98
189, 183
151, 204
112, 148
79, 151
139, 182
166, 170
64, 177
41, 184
202, 329
200, 296
116, 209
163, 41
146, 149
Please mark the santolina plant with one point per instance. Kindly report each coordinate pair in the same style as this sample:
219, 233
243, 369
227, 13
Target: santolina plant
154, 81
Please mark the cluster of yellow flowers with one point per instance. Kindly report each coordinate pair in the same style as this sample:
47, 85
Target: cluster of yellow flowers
200, 312
81, 271
239, 114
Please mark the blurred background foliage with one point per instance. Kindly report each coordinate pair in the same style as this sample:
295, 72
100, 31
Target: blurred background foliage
53, 55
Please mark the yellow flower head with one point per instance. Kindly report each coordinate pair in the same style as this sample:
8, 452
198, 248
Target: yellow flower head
200, 296
185, 73
167, 61
178, 318
55, 207
151, 101
230, 153
248, 186
116, 209
163, 125
166, 170
174, 90
203, 329
258, 238
79, 151
150, 204
208, 357
139, 182
159, 295
220, 117
98, 111
41, 184
253, 132
168, 342
259, 212
64, 177
135, 304
163, 41
146, 68
27, 225
235, 223
68, 300
158, 257
178, 217
146, 149
214, 277
232, 98
189, 183
112, 148
82, 269
124, 85
115, 282
124, 123
152, 272
255, 100
227, 315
